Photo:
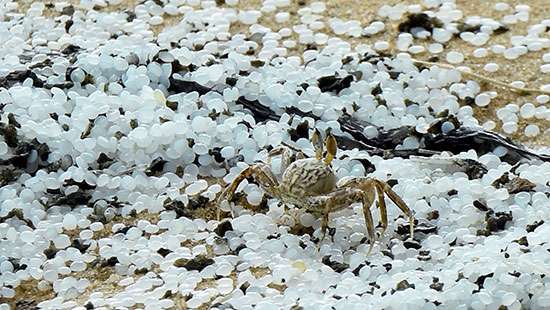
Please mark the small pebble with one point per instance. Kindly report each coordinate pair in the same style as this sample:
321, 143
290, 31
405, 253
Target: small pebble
532, 130
482, 100
491, 67
501, 6
455, 57
480, 52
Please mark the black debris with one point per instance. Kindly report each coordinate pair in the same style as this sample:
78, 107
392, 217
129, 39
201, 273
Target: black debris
123, 230
412, 244
369, 166
163, 252
502, 180
463, 139
68, 10
216, 154
469, 101
403, 285
223, 227
141, 271
419, 20
51, 251
197, 202
424, 256
231, 81
172, 105
464, 27
239, 248
301, 131
13, 121
74, 199
437, 286
497, 221
104, 161
131, 16
18, 214
156, 167
387, 253
377, 90
68, 25
432, 215
481, 280
78, 244
26, 303
532, 227
335, 84
358, 269
501, 29
180, 86
83, 185
518, 184
244, 287
336, 266
425, 228
472, 168
176, 206
9, 132
110, 262
422, 227
15, 262
480, 206
257, 63
522, 241
198, 263
394, 74
19, 76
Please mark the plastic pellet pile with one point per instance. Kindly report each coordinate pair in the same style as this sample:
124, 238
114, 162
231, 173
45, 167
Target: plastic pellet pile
122, 122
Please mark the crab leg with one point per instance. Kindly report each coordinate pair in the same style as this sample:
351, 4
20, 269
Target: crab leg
317, 144
382, 189
286, 154
369, 187
399, 202
367, 202
324, 221
341, 199
261, 173
382, 207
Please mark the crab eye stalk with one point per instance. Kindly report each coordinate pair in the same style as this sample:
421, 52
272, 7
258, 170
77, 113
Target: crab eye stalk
330, 144
317, 144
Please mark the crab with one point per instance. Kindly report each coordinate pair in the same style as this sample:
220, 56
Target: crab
311, 184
